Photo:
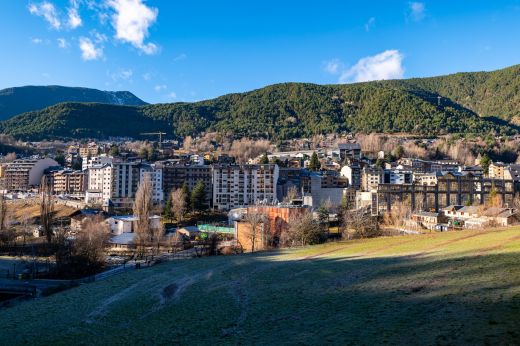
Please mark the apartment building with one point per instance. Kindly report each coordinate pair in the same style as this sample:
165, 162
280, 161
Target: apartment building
90, 149
99, 185
236, 186
429, 178
155, 174
353, 173
176, 175
349, 151
497, 170
114, 185
371, 177
397, 176
68, 182
100, 160
23, 174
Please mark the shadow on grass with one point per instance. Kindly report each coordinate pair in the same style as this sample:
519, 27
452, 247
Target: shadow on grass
265, 299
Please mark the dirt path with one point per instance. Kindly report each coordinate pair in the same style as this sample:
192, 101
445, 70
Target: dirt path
102, 309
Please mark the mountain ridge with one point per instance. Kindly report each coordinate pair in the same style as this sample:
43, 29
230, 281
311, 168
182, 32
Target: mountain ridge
469, 102
18, 100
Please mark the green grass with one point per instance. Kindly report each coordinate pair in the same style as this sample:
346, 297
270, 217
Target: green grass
451, 288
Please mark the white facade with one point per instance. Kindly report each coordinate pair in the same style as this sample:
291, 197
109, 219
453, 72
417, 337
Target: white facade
87, 162
99, 185
236, 186
155, 175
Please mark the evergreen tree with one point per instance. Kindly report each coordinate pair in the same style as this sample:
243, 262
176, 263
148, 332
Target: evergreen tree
168, 209
315, 164
198, 197
323, 217
485, 161
186, 194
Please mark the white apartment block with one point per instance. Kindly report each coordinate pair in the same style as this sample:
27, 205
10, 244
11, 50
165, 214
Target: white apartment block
236, 186
99, 185
154, 173
115, 184
88, 162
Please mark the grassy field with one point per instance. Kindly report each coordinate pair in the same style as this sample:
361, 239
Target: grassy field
442, 289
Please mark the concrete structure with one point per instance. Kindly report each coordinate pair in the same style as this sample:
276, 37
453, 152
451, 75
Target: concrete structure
452, 187
237, 186
23, 174
315, 192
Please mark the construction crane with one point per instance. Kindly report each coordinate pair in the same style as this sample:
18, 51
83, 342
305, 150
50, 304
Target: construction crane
160, 134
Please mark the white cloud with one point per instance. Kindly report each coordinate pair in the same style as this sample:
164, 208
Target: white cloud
147, 76
417, 11
122, 74
98, 37
89, 51
131, 19
370, 24
73, 17
385, 65
160, 87
62, 43
36, 40
48, 12
332, 66
180, 57
172, 95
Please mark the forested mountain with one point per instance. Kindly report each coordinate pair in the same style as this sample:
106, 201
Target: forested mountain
495, 93
30, 98
470, 103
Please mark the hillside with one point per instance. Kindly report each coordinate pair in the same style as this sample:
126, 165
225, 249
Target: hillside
452, 288
81, 120
480, 102
279, 111
30, 98
495, 93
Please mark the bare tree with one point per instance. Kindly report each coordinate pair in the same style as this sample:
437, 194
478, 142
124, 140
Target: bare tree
90, 243
360, 224
256, 221
6, 235
401, 211
3, 212
46, 208
179, 207
142, 209
303, 230
176, 242
157, 233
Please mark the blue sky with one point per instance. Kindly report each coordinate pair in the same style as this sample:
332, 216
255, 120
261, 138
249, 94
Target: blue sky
169, 51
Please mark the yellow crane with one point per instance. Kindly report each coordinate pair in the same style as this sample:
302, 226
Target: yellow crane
160, 134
